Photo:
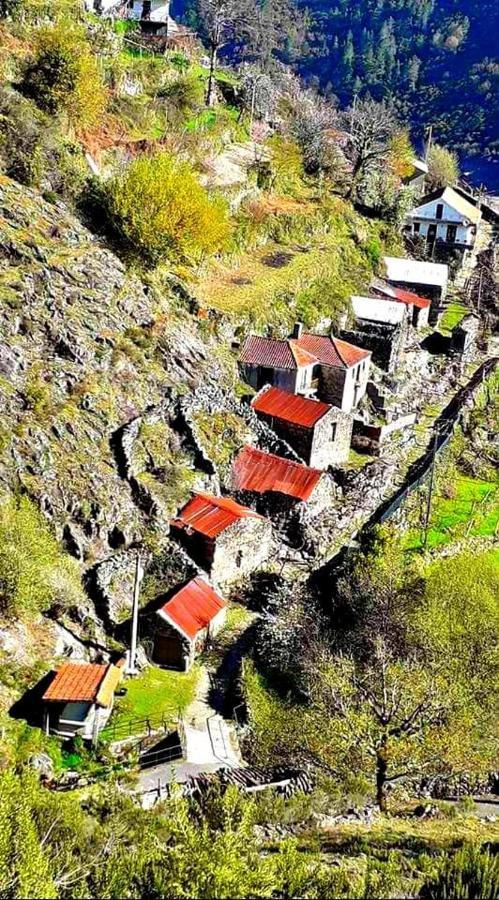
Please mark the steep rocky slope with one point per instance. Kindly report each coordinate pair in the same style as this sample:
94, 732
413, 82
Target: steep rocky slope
85, 348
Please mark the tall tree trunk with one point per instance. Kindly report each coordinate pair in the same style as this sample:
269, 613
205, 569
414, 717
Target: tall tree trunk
381, 770
211, 78
355, 177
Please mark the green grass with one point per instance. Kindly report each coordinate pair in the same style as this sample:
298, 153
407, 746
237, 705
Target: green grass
452, 315
472, 511
156, 693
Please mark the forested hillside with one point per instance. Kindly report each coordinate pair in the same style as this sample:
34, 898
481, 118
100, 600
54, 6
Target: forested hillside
437, 59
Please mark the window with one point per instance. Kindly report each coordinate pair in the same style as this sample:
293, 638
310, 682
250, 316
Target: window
417, 227
451, 233
334, 429
239, 558
440, 210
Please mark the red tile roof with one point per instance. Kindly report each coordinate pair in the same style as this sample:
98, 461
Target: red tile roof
330, 351
289, 407
210, 515
304, 351
192, 608
76, 682
260, 351
407, 297
262, 472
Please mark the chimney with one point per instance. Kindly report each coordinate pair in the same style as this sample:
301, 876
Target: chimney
297, 331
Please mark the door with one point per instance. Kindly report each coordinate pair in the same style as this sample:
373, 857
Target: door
265, 376
451, 234
168, 651
432, 233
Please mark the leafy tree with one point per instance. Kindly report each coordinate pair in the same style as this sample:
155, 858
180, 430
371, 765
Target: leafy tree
161, 209
34, 573
62, 77
443, 168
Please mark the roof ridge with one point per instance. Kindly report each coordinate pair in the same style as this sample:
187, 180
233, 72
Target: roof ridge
282, 459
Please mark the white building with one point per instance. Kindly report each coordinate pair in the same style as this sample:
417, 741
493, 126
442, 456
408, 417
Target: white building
445, 216
426, 279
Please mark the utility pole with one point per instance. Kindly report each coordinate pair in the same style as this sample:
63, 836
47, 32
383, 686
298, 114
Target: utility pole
139, 574
429, 144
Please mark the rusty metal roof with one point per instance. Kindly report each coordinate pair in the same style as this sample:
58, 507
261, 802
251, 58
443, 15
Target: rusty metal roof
262, 472
289, 407
401, 296
211, 515
192, 608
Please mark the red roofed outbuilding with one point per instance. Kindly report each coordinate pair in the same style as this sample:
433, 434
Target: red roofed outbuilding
79, 699
308, 364
418, 306
224, 538
318, 432
186, 622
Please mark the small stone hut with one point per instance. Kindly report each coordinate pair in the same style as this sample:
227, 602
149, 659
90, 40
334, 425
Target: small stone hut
224, 538
320, 434
277, 485
185, 624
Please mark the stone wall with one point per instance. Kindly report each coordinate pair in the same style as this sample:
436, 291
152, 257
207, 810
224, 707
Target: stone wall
315, 445
240, 550
385, 342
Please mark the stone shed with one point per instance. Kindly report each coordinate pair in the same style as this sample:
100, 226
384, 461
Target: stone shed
380, 326
276, 485
465, 334
186, 622
320, 434
226, 539
417, 306
79, 699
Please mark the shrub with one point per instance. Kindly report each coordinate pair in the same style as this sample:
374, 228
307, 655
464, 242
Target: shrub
62, 77
160, 208
34, 572
469, 874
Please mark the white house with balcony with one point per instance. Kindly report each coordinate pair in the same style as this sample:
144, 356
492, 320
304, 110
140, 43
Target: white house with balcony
445, 216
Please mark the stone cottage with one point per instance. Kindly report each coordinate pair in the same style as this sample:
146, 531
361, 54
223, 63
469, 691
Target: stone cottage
277, 485
427, 279
80, 698
465, 334
185, 624
224, 538
320, 434
447, 217
309, 364
418, 308
380, 326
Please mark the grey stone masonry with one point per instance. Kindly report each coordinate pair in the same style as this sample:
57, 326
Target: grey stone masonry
324, 444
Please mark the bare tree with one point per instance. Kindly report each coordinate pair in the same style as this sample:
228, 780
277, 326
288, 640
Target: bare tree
220, 21
371, 126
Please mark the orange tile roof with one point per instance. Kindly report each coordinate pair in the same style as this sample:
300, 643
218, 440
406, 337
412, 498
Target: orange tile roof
211, 515
262, 472
331, 351
77, 682
192, 608
284, 354
292, 408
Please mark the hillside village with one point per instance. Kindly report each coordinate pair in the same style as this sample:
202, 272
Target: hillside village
223, 433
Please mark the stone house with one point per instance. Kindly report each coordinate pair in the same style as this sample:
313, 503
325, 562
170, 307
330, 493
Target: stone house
447, 217
309, 364
426, 279
320, 434
185, 624
380, 326
277, 485
418, 307
465, 334
226, 539
80, 698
